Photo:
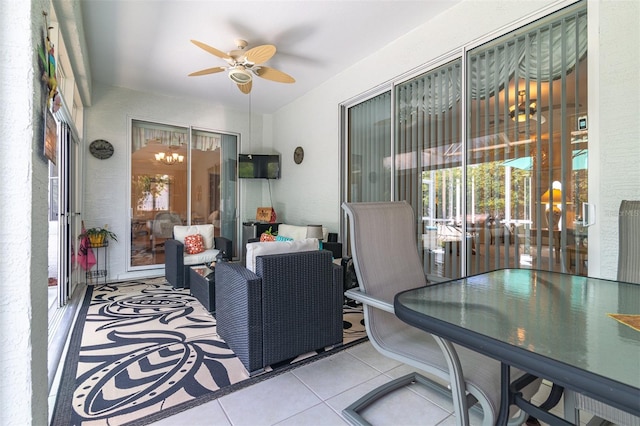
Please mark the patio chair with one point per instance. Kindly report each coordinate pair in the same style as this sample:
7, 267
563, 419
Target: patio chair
162, 228
628, 271
384, 250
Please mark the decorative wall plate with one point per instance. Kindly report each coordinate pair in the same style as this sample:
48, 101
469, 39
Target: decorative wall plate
101, 149
298, 155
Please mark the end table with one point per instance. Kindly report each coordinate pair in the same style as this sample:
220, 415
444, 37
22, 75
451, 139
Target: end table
203, 286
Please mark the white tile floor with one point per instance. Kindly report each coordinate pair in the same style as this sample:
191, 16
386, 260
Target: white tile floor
316, 394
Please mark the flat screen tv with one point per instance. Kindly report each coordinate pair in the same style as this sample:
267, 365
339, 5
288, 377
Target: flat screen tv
259, 166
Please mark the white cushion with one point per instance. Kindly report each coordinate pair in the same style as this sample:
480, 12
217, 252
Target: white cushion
206, 256
277, 247
207, 230
298, 232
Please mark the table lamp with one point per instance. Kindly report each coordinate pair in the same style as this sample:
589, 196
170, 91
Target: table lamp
553, 199
314, 231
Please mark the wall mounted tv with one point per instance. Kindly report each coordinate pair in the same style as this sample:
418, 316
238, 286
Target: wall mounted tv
259, 166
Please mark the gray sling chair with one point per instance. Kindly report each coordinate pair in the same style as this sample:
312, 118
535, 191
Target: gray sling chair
386, 259
628, 271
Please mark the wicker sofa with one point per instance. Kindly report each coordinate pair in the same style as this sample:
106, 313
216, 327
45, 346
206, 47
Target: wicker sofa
291, 305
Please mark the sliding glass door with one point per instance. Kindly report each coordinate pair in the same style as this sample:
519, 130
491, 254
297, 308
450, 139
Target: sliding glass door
428, 165
491, 154
527, 148
179, 176
369, 150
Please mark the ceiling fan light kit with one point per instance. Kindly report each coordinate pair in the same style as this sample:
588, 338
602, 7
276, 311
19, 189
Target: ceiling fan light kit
244, 65
521, 111
240, 75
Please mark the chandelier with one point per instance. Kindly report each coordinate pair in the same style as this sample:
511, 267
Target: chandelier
169, 159
522, 111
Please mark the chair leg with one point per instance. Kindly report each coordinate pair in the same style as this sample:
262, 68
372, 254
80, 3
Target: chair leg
351, 413
458, 386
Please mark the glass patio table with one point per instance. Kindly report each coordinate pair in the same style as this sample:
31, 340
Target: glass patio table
580, 333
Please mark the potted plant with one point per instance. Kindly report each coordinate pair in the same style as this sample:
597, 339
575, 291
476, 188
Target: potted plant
99, 236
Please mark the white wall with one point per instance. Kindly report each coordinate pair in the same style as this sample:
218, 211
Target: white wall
107, 181
23, 218
309, 193
614, 124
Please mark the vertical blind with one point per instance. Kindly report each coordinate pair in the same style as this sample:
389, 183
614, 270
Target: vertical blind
369, 148
525, 95
428, 162
518, 202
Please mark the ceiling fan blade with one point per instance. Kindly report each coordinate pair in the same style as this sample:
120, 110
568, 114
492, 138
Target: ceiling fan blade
207, 71
260, 54
245, 88
274, 75
212, 50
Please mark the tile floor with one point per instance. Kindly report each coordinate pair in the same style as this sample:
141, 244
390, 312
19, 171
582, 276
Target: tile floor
316, 394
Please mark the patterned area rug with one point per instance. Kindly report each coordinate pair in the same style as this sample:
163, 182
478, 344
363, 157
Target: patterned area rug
142, 351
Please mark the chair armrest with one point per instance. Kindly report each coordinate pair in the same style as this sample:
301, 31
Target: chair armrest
334, 247
239, 313
366, 299
224, 245
174, 262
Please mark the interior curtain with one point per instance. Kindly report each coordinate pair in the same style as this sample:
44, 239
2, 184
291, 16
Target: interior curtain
537, 54
543, 54
205, 141
143, 133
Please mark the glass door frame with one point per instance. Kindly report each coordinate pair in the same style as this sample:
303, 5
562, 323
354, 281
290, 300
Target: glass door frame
227, 172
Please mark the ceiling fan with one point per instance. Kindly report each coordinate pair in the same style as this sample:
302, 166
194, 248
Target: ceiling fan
244, 65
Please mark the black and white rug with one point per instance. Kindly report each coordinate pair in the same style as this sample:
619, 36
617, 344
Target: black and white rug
141, 351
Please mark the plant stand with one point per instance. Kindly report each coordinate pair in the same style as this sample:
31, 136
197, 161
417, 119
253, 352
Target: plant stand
100, 268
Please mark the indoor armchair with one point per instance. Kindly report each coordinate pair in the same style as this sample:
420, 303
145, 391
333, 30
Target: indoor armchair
291, 305
178, 258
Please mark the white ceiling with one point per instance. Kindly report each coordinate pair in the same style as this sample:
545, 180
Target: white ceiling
144, 44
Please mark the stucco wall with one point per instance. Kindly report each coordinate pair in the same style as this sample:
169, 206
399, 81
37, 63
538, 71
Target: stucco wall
23, 218
614, 128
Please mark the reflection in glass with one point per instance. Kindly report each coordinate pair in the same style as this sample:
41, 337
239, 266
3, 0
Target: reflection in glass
178, 176
526, 154
481, 178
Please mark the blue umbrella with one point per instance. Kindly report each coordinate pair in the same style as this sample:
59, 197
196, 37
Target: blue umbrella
524, 163
579, 161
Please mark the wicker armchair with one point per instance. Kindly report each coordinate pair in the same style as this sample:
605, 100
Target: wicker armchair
177, 262
291, 305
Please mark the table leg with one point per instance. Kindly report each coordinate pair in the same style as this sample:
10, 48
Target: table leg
505, 382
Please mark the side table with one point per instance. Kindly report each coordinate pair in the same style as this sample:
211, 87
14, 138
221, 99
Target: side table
203, 286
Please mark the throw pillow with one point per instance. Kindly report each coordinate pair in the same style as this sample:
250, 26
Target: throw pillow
193, 244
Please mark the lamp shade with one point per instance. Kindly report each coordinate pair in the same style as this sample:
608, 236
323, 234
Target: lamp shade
547, 196
314, 231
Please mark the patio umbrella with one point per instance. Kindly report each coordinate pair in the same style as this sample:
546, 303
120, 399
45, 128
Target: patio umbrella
579, 161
